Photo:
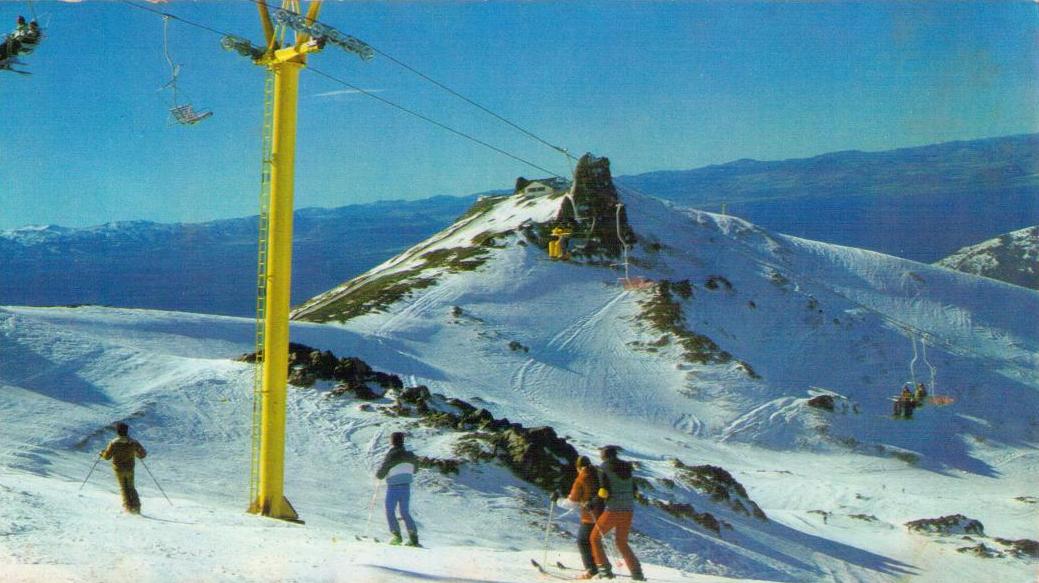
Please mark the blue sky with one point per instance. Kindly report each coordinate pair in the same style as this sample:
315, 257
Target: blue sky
651, 85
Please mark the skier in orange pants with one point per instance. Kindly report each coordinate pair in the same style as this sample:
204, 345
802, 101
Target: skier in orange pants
618, 489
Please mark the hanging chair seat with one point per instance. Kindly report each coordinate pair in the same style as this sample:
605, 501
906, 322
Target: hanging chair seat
186, 115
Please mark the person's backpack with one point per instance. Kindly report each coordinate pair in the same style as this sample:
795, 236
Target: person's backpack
596, 505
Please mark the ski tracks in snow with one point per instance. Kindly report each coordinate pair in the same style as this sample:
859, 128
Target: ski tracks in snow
529, 377
583, 323
412, 310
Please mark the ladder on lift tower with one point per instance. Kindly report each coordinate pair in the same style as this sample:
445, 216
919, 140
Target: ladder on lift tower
261, 279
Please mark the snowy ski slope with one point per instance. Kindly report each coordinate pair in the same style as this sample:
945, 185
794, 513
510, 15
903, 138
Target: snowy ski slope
807, 317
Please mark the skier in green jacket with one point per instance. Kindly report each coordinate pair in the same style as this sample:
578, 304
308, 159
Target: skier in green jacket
123, 452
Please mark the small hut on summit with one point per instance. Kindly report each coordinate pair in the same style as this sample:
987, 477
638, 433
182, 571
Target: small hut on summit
541, 186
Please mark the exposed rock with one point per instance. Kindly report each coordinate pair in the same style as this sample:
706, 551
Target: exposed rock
715, 282
822, 402
596, 200
863, 517
354, 377
1022, 548
720, 486
665, 314
444, 466
301, 377
683, 510
952, 524
981, 550
415, 394
516, 346
359, 390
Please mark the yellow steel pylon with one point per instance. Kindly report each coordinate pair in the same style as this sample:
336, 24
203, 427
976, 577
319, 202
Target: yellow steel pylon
267, 490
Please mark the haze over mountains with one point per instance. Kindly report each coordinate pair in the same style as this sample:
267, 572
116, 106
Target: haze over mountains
919, 203
206, 267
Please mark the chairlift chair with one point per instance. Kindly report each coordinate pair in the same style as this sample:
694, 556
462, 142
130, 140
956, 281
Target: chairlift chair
186, 114
181, 113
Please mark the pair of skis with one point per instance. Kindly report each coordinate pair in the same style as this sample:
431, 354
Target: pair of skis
561, 571
375, 539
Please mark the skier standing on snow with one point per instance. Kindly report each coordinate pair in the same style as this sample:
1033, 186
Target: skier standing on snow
398, 469
123, 452
584, 495
617, 487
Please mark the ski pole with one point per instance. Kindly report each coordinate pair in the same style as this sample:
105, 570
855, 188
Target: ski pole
548, 529
156, 482
90, 473
371, 510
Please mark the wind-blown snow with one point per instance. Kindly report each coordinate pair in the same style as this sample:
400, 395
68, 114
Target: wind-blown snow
808, 317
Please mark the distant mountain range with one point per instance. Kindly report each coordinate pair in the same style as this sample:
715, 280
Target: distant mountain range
1013, 258
206, 267
918, 203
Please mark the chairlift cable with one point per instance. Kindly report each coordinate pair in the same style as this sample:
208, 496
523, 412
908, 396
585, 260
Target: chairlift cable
912, 363
624, 244
453, 92
177, 18
514, 125
934, 381
359, 90
430, 120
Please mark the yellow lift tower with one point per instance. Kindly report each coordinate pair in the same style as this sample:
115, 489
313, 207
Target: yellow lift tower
283, 62
273, 299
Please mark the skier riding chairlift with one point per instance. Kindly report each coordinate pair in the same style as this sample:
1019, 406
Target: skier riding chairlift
22, 41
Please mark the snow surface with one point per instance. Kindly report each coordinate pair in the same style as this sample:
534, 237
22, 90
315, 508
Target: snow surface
837, 487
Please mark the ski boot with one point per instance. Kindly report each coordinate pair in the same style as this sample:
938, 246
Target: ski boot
605, 572
412, 540
395, 539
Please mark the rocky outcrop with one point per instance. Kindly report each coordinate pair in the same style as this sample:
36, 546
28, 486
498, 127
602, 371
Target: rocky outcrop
1021, 548
980, 550
534, 454
824, 402
352, 375
952, 524
593, 214
1013, 258
719, 484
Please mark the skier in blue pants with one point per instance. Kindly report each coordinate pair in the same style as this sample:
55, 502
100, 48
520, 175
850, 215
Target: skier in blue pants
398, 469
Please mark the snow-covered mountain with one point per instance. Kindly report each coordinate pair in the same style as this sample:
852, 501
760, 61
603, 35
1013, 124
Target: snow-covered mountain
1013, 258
707, 355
